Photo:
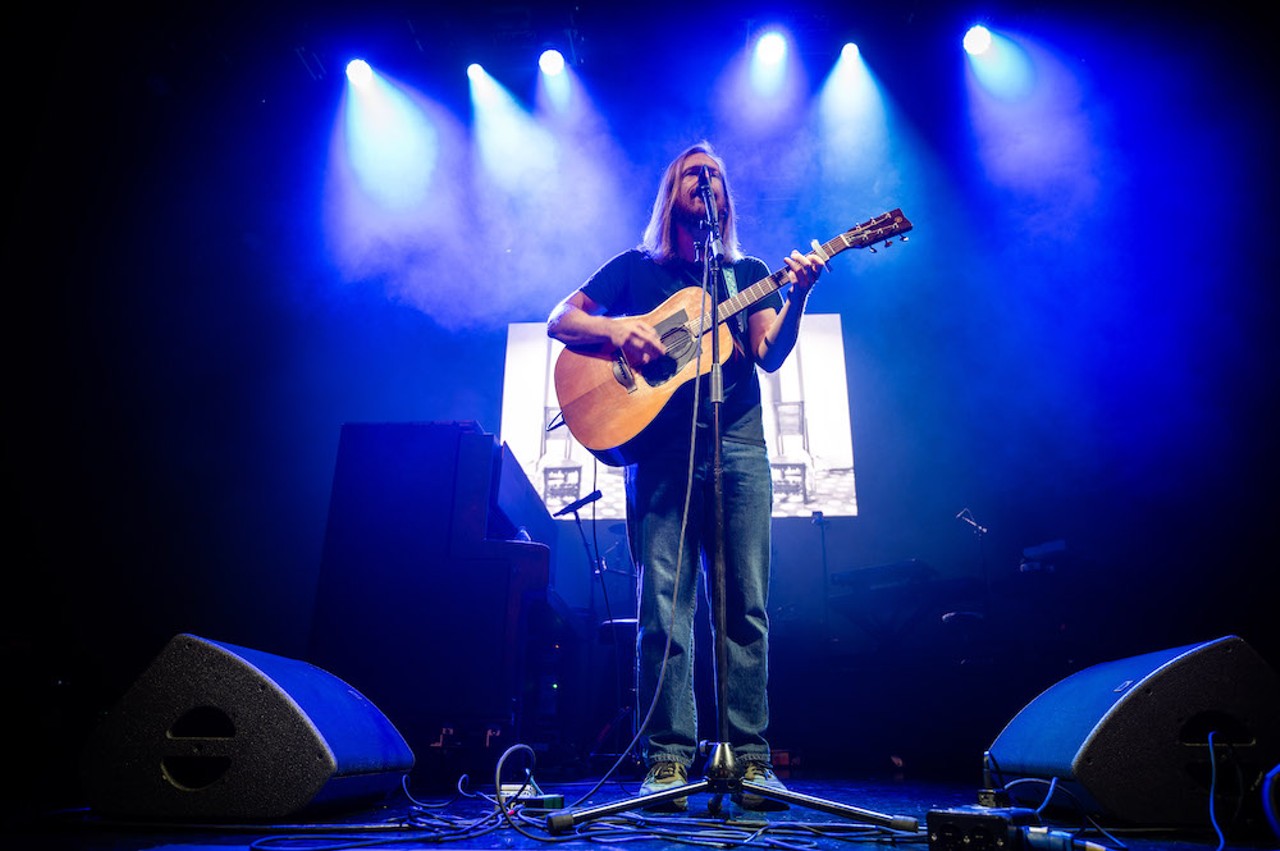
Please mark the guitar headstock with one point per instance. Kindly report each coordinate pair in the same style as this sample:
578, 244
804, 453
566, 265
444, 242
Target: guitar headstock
882, 228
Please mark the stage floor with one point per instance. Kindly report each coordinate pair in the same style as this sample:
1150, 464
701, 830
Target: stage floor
471, 821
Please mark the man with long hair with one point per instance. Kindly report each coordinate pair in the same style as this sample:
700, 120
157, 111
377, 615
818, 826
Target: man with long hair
668, 542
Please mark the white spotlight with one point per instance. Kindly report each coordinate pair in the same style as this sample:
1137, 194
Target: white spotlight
771, 49
977, 40
359, 72
551, 62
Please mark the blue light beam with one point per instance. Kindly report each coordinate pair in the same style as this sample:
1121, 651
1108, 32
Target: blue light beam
392, 148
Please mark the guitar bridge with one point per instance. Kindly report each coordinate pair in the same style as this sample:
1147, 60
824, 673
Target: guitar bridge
622, 372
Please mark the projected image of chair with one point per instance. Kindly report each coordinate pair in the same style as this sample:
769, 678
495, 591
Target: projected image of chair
791, 460
561, 473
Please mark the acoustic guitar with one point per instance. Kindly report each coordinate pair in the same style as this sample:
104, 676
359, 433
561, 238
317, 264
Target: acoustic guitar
606, 401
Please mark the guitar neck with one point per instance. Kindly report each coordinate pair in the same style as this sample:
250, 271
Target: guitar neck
762, 288
880, 228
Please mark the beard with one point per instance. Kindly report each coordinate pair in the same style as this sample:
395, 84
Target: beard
691, 212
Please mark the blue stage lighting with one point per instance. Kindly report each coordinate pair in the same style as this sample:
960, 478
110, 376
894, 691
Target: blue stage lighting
392, 147
1000, 63
768, 66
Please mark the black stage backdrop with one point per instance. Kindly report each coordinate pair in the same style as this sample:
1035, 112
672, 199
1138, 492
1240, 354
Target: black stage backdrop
183, 352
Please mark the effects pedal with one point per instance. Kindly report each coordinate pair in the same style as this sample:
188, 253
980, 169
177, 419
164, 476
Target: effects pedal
978, 828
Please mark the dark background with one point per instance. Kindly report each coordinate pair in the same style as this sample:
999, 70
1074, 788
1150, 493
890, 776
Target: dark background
183, 353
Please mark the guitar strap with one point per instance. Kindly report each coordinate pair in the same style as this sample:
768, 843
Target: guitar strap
731, 290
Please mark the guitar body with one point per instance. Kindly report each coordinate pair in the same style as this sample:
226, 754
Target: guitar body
606, 401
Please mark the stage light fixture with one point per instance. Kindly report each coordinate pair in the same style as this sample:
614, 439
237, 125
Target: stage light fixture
1000, 63
771, 49
977, 40
768, 65
359, 72
849, 52
551, 62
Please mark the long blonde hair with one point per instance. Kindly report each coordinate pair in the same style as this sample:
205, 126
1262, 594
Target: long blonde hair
659, 239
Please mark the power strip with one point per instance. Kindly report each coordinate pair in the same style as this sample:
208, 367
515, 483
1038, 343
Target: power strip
978, 828
529, 795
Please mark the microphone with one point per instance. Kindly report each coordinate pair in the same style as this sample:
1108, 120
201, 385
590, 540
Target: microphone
581, 503
967, 516
712, 222
709, 197
704, 179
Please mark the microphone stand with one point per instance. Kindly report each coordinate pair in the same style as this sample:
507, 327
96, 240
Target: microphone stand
980, 532
820, 520
713, 255
967, 621
721, 774
596, 567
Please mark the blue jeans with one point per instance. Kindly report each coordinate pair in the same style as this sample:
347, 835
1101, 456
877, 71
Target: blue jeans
655, 502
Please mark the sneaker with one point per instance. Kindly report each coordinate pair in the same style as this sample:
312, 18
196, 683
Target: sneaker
761, 773
662, 777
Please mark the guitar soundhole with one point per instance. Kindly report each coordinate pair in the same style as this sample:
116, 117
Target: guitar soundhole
679, 345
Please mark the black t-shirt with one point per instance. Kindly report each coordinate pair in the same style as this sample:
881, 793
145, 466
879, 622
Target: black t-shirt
632, 284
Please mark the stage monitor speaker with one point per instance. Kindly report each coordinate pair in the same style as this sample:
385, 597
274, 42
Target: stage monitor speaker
1130, 738
219, 732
